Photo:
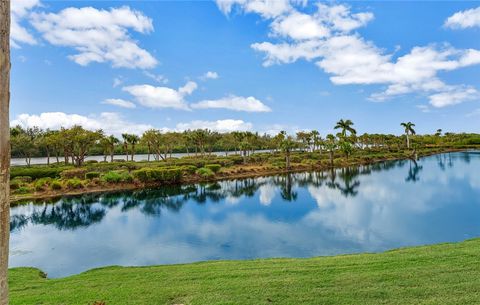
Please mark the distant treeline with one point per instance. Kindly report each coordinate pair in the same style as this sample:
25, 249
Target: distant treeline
75, 143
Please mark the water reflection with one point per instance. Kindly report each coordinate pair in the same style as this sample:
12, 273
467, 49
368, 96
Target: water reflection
353, 209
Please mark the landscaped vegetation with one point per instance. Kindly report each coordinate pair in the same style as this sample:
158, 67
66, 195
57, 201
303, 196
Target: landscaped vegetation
440, 274
246, 154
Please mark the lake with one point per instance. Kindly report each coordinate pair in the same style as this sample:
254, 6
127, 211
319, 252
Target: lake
350, 210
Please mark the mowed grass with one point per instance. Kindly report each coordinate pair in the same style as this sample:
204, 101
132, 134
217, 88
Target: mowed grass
439, 274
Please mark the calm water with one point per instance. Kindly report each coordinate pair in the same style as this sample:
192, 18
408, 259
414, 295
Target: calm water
371, 208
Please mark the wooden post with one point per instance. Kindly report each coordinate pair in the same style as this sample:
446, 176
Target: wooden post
4, 147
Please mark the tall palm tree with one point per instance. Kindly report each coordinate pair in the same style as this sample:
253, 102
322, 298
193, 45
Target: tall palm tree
315, 139
408, 131
4, 146
133, 140
345, 125
125, 137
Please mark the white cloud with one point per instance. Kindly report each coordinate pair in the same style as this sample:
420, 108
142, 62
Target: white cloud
464, 19
161, 97
227, 125
326, 38
232, 102
117, 81
119, 102
156, 77
209, 75
98, 35
20, 9
265, 8
109, 122
454, 96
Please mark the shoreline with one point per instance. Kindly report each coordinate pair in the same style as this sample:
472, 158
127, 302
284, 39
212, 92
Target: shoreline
246, 172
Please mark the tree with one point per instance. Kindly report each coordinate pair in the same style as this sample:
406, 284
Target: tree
345, 125
108, 144
4, 146
133, 140
125, 137
287, 144
408, 131
330, 144
79, 141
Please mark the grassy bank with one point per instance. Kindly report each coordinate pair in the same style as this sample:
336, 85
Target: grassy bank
41, 182
439, 274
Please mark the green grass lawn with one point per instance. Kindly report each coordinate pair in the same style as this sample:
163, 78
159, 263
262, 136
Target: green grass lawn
439, 274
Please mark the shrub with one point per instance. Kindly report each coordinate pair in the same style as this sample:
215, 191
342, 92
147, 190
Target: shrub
74, 173
15, 184
42, 183
92, 175
23, 190
189, 169
24, 179
117, 176
213, 167
112, 177
91, 161
56, 185
205, 172
74, 183
119, 160
35, 172
162, 174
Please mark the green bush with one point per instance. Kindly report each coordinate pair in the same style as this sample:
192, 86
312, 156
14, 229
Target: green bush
213, 167
15, 184
35, 172
23, 190
117, 176
74, 183
189, 169
92, 175
24, 179
205, 172
56, 185
74, 173
91, 161
42, 183
165, 174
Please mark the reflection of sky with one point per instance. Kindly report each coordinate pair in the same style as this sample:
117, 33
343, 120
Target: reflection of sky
381, 209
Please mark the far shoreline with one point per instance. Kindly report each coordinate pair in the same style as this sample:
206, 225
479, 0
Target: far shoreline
247, 171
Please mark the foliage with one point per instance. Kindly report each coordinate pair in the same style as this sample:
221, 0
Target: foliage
117, 176
205, 172
91, 175
164, 175
42, 183
213, 167
56, 185
74, 173
35, 172
74, 183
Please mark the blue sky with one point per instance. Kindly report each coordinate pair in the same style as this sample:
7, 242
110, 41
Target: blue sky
129, 66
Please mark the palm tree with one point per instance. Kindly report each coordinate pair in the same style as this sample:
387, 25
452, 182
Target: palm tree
408, 131
331, 145
345, 125
4, 146
133, 140
125, 137
109, 145
287, 144
439, 132
316, 139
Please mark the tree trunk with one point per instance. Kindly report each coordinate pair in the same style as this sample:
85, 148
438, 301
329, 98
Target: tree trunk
408, 141
4, 146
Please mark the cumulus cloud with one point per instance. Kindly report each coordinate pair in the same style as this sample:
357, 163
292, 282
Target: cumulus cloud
98, 35
232, 102
119, 102
209, 75
266, 8
327, 38
455, 96
109, 122
161, 97
464, 19
20, 9
227, 125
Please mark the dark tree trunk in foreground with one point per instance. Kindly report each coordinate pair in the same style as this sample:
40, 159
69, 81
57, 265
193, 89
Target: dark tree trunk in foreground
4, 146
